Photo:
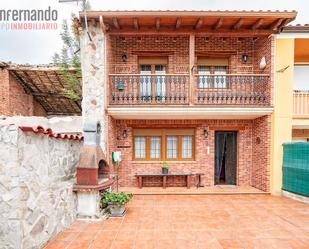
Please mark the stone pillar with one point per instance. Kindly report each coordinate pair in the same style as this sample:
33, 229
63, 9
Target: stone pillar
93, 103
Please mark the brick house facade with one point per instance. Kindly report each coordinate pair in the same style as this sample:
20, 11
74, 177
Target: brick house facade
173, 77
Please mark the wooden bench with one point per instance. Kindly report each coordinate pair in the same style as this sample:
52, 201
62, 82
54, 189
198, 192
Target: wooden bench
165, 176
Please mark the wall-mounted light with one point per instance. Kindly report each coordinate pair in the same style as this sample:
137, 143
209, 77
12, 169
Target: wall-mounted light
205, 134
124, 133
244, 58
124, 57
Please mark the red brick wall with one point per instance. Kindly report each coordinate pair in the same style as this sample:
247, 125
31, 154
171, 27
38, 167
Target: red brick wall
178, 51
248, 173
21, 103
4, 92
14, 100
261, 151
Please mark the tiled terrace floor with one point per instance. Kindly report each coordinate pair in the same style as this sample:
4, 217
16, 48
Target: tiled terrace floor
214, 190
197, 221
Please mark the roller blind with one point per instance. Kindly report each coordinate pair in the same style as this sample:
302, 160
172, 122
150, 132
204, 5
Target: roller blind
212, 61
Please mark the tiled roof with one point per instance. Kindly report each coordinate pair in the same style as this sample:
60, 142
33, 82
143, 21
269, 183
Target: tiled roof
296, 28
50, 133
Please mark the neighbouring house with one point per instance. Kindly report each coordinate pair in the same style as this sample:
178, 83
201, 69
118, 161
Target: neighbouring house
195, 89
291, 115
35, 90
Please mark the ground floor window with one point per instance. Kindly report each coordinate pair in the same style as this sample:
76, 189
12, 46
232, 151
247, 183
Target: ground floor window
163, 144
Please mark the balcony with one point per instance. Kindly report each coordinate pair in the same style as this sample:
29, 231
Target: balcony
137, 89
175, 89
301, 104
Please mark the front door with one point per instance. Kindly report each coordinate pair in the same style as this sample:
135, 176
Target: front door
225, 157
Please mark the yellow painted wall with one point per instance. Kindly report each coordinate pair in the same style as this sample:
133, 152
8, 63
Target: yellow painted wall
283, 103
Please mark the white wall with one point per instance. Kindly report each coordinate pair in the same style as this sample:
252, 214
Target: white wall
69, 124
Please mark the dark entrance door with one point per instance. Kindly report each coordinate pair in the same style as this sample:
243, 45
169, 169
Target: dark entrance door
225, 157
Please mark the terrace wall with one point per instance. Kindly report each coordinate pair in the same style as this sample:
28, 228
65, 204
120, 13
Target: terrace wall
37, 174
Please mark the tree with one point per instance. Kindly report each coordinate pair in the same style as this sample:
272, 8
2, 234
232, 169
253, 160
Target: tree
69, 57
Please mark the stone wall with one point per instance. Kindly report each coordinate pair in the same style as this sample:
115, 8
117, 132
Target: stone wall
37, 174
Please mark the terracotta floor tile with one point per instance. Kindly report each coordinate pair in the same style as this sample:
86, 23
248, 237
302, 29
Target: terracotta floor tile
186, 244
87, 236
183, 221
144, 244
129, 244
79, 245
101, 244
66, 236
56, 245
145, 235
164, 244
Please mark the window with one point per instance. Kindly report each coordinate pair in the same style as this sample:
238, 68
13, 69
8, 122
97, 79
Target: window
155, 147
212, 72
172, 147
187, 146
163, 144
153, 87
140, 147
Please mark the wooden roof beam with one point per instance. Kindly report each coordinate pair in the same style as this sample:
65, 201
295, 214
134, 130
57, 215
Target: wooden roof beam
218, 23
102, 25
257, 24
238, 24
135, 23
276, 24
178, 23
199, 23
158, 23
285, 22
116, 23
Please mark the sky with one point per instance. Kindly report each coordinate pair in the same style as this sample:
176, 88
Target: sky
38, 46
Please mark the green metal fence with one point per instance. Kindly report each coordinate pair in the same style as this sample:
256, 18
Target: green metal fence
296, 168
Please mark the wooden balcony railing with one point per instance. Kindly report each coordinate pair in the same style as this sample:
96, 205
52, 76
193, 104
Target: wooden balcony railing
300, 103
232, 89
137, 89
174, 89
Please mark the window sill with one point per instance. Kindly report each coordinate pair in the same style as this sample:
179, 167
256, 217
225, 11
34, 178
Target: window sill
169, 162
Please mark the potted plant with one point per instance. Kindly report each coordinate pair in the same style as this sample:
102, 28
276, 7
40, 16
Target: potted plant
165, 166
116, 202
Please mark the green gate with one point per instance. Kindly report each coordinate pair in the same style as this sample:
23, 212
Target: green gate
296, 168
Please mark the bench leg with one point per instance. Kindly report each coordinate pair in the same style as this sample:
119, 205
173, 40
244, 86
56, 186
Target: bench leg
188, 181
164, 181
140, 182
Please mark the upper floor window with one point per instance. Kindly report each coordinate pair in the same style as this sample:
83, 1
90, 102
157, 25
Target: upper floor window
153, 79
163, 144
212, 72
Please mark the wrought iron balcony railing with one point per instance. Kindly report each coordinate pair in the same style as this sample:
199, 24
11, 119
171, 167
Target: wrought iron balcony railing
175, 89
138, 89
233, 89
